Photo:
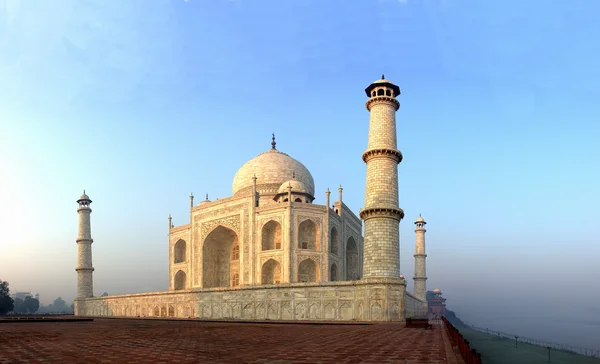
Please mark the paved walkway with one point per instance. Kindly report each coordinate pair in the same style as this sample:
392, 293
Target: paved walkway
158, 341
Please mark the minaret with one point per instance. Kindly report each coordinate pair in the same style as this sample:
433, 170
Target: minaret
420, 277
85, 285
340, 189
381, 213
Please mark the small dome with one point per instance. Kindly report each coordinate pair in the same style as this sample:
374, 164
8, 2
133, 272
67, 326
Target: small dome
206, 200
383, 80
297, 186
272, 168
420, 219
437, 290
84, 196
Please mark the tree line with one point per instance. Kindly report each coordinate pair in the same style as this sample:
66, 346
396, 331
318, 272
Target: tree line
29, 305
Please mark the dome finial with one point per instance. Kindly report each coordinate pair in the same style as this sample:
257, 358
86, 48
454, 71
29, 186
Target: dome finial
273, 142
294, 175
382, 77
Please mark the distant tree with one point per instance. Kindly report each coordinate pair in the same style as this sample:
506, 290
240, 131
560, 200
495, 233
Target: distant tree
46, 309
6, 301
60, 305
30, 305
18, 307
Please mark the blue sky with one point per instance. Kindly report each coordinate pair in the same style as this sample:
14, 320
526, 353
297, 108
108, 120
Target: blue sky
142, 102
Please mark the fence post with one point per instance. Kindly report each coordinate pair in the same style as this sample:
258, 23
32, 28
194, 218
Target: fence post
548, 354
516, 340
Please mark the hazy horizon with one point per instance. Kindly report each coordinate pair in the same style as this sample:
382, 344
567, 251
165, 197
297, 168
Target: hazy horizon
142, 103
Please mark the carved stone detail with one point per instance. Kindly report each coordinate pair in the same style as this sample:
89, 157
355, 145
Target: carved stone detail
275, 257
349, 231
232, 222
301, 258
315, 219
266, 219
225, 211
246, 243
394, 154
383, 99
392, 212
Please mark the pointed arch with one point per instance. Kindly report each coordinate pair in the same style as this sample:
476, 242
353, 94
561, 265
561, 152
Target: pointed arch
351, 260
271, 272
308, 235
179, 250
333, 273
271, 235
333, 241
307, 271
217, 251
180, 280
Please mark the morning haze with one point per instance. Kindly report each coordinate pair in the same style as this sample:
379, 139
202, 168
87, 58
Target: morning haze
142, 103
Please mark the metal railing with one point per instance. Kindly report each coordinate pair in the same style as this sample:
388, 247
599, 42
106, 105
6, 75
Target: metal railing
546, 344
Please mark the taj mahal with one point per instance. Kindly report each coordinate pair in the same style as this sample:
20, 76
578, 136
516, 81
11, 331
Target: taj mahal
268, 252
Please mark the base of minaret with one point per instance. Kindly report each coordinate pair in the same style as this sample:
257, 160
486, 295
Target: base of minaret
85, 283
381, 257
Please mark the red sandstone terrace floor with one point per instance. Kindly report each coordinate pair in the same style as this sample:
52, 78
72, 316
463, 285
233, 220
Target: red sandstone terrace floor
157, 341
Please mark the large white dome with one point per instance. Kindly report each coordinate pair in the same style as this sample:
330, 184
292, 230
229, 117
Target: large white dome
271, 169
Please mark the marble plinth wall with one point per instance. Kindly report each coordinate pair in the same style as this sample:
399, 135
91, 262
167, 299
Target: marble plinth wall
331, 301
414, 307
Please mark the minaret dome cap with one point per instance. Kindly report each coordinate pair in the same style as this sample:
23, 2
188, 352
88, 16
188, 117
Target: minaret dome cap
382, 82
84, 197
420, 220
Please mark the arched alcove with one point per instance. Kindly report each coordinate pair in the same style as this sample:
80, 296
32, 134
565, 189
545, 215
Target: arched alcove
180, 280
351, 260
333, 273
271, 272
307, 235
216, 257
271, 235
333, 241
307, 271
179, 251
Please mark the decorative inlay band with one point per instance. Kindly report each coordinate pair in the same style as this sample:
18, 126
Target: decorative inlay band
232, 222
393, 153
84, 268
316, 220
378, 99
372, 212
